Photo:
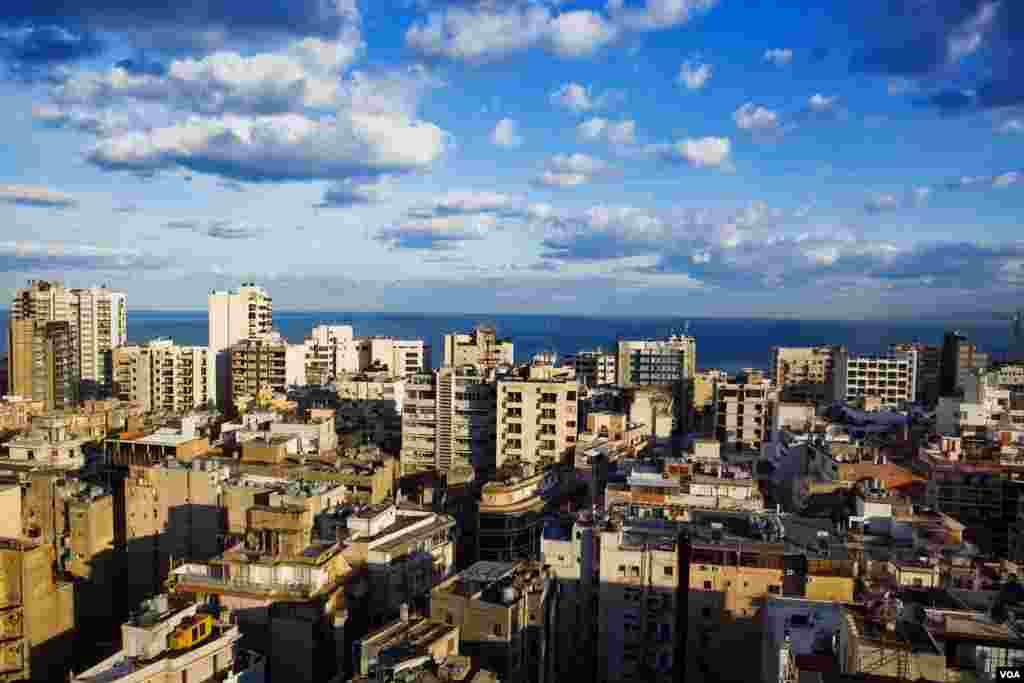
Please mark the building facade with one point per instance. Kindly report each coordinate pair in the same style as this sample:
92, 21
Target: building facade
743, 414
929, 363
960, 358
537, 416
481, 348
889, 380
262, 367
43, 349
235, 315
466, 420
664, 361
804, 373
419, 424
595, 368
102, 322
163, 376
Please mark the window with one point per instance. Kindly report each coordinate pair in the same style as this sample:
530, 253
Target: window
499, 630
448, 618
634, 571
705, 612
707, 585
622, 569
669, 571
773, 589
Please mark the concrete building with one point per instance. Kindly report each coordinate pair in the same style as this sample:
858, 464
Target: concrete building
245, 313
48, 444
410, 636
510, 515
419, 424
283, 586
400, 357
537, 416
664, 361
332, 351
16, 413
504, 616
594, 368
102, 325
466, 419
888, 380
261, 368
481, 348
804, 374
743, 414
405, 552
928, 371
960, 358
146, 656
38, 614
32, 310
162, 376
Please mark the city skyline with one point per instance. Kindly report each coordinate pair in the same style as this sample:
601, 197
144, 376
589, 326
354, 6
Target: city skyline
687, 157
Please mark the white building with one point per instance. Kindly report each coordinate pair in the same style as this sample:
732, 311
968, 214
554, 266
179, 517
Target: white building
481, 348
102, 319
401, 357
889, 379
163, 376
245, 313
656, 361
333, 350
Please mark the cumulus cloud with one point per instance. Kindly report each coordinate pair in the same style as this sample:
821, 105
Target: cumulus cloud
36, 196
436, 232
579, 99
707, 152
218, 229
655, 15
32, 256
779, 56
581, 33
466, 202
571, 170
356, 192
997, 181
757, 119
278, 148
821, 104
506, 134
614, 132
694, 75
1011, 127
879, 203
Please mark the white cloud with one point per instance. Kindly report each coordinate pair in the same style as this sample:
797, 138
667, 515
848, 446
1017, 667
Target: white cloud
707, 152
694, 75
35, 195
779, 56
922, 195
878, 203
971, 35
437, 232
468, 202
756, 118
281, 147
571, 170
1011, 127
580, 33
615, 132
25, 257
579, 99
1008, 179
480, 33
357, 191
506, 134
657, 14
820, 104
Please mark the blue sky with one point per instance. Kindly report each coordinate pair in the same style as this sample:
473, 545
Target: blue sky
677, 157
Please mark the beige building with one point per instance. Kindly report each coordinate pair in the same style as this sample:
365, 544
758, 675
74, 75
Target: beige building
332, 351
804, 373
146, 656
38, 614
162, 376
537, 414
245, 313
49, 444
419, 424
102, 323
661, 361
510, 514
595, 368
413, 636
16, 413
261, 368
743, 414
500, 610
481, 348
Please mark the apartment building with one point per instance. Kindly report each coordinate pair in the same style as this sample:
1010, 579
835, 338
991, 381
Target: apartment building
502, 611
743, 413
510, 514
594, 368
330, 351
419, 423
804, 374
409, 637
537, 416
32, 309
662, 361
48, 444
888, 380
284, 587
162, 376
960, 357
466, 420
245, 313
400, 357
928, 370
102, 324
262, 367
481, 348
643, 598
147, 655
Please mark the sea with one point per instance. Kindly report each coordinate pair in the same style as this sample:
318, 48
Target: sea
726, 343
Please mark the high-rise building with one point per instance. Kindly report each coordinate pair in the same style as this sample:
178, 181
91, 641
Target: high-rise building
245, 313
419, 423
32, 309
804, 373
332, 350
889, 380
465, 414
929, 363
163, 376
480, 348
661, 361
102, 322
743, 413
959, 359
594, 368
259, 369
537, 414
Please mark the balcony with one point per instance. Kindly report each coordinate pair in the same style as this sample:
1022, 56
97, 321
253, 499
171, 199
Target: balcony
238, 585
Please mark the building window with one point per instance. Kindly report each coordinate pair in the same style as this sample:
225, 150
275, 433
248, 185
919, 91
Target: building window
669, 571
773, 589
705, 612
707, 585
622, 569
448, 618
634, 571
499, 630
